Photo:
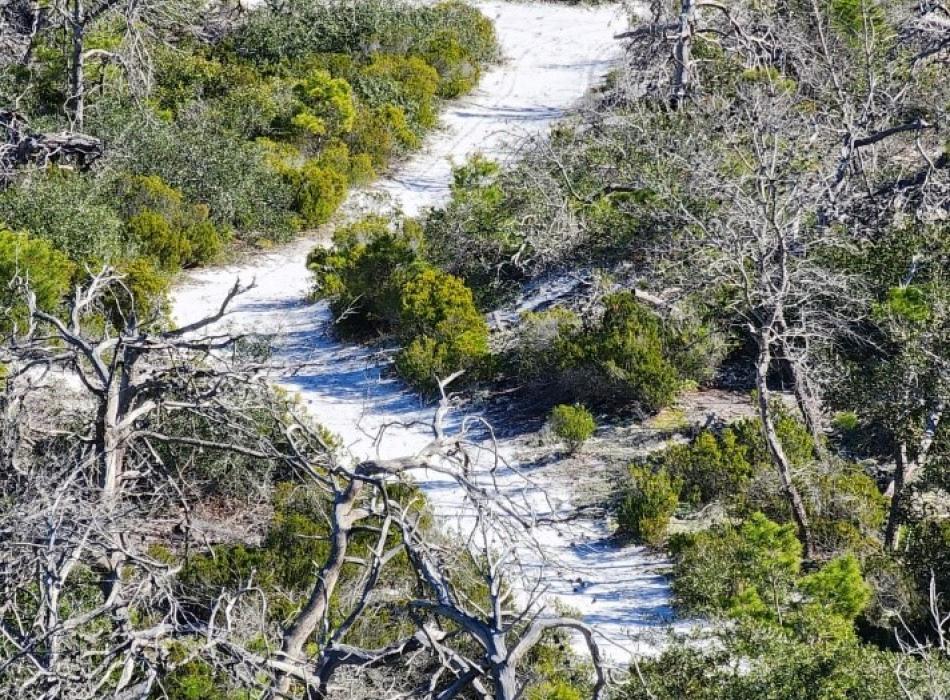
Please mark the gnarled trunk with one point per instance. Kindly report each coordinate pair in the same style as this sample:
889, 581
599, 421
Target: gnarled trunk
779, 459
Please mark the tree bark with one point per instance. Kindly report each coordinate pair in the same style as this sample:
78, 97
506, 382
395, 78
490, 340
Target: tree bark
906, 470
345, 514
76, 101
900, 478
682, 54
776, 451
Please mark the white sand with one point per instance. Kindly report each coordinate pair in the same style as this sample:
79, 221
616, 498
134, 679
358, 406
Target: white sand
553, 55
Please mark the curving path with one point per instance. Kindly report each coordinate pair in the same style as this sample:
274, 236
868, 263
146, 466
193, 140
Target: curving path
553, 55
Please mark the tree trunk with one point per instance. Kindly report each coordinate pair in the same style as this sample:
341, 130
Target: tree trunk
109, 447
504, 674
344, 516
808, 403
897, 487
776, 451
905, 471
682, 54
76, 100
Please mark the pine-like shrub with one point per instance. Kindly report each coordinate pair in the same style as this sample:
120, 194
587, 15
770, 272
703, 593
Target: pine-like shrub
649, 501
573, 424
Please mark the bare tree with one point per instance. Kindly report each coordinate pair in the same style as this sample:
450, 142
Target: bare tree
98, 486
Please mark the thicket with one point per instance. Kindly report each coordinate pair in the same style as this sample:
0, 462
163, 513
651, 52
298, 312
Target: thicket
628, 356
377, 279
249, 131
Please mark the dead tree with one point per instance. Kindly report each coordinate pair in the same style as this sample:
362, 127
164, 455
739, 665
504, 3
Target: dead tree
504, 630
22, 147
92, 493
88, 489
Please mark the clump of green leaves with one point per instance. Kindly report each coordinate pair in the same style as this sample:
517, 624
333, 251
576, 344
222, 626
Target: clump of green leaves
34, 263
573, 424
649, 501
445, 331
377, 279
754, 572
628, 356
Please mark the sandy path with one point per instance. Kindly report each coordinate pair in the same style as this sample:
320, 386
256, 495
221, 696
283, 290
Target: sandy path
553, 55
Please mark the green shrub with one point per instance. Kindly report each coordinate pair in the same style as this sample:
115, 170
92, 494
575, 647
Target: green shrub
542, 340
573, 424
744, 571
46, 271
162, 226
629, 356
235, 179
479, 232
363, 273
928, 554
148, 286
326, 105
761, 665
754, 572
649, 501
711, 467
68, 210
320, 192
444, 330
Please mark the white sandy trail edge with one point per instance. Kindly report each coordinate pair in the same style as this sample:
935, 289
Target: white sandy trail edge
553, 54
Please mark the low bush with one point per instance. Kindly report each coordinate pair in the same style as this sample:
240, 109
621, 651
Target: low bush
363, 273
377, 281
765, 664
928, 555
648, 503
36, 264
162, 226
628, 356
69, 210
444, 330
754, 572
573, 424
711, 467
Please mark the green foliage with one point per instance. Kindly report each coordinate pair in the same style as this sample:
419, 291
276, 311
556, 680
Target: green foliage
320, 191
928, 555
857, 20
148, 285
635, 352
376, 279
749, 570
163, 227
327, 105
459, 47
573, 424
648, 503
66, 209
753, 572
365, 270
194, 680
445, 332
478, 234
234, 178
772, 667
714, 466
628, 356
542, 338
838, 588
46, 271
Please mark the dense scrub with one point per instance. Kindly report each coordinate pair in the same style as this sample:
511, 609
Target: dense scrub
250, 128
377, 279
626, 356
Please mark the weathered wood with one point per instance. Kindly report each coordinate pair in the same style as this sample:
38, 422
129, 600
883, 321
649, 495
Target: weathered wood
20, 146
